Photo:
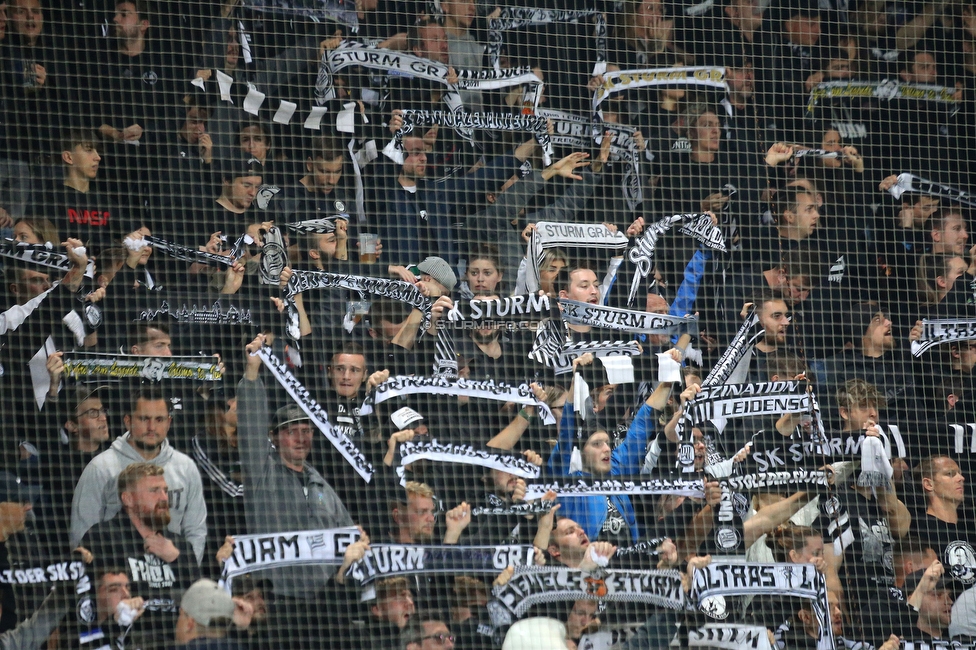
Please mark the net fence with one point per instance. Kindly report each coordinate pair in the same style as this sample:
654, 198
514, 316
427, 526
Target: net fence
355, 324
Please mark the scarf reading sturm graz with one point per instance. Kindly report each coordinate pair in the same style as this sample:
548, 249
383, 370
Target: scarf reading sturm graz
41, 255
699, 226
885, 90
533, 585
402, 385
729, 637
276, 550
686, 77
467, 455
719, 580
517, 312
407, 559
907, 183
549, 234
302, 281
580, 134
625, 320
111, 366
406, 65
944, 330
464, 122
515, 17
316, 413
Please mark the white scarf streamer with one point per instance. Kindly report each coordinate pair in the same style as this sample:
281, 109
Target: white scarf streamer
316, 413
294, 548
539, 507
876, 470
89, 366
41, 255
779, 580
562, 362
625, 320
535, 585
908, 183
318, 226
617, 486
729, 637
411, 452
515, 17
180, 252
403, 559
549, 234
685, 77
943, 330
885, 90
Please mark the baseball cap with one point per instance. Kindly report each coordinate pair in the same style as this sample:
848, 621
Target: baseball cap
205, 601
440, 270
288, 414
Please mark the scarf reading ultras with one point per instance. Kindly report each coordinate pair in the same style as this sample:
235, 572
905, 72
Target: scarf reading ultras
533, 585
316, 413
276, 550
719, 580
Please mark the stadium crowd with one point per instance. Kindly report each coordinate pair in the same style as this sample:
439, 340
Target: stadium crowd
198, 380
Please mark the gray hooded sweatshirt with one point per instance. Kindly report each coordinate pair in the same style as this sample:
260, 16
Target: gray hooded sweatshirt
96, 496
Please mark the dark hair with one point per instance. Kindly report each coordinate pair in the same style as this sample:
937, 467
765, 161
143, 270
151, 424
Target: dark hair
148, 394
326, 148
414, 40
767, 295
142, 7
79, 137
784, 365
565, 277
349, 347
139, 332
789, 537
802, 264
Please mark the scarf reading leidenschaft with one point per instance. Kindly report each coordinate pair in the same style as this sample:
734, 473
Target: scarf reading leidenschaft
533, 585
316, 413
907, 183
276, 550
728, 401
685, 77
406, 559
411, 452
885, 90
464, 122
728, 579
42, 255
943, 330
729, 637
515, 17
567, 235
569, 487
95, 366
625, 320
699, 226
498, 391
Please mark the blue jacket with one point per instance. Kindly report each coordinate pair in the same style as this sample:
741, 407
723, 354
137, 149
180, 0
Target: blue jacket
591, 512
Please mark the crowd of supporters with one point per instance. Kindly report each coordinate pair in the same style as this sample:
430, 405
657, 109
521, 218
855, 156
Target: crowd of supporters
151, 149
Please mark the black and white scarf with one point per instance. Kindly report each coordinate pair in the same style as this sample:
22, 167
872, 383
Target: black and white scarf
533, 585
293, 548
205, 313
730, 579
274, 256
699, 226
228, 486
943, 330
341, 11
317, 226
498, 391
88, 366
684, 77
185, 253
539, 507
885, 90
501, 313
727, 401
632, 321
806, 480
567, 235
42, 255
562, 361
316, 413
515, 17
68, 571
465, 123
587, 486
729, 637
909, 184
411, 452
382, 560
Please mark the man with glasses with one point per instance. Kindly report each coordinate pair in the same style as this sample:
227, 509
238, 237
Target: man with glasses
427, 633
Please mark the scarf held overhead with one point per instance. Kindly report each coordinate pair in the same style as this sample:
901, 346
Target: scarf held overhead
467, 455
943, 330
89, 366
406, 559
515, 17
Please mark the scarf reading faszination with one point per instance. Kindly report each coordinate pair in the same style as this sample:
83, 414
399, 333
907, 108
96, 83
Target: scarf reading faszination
549, 234
532, 585
716, 581
908, 184
94, 366
42, 255
695, 77
316, 413
698, 226
464, 122
411, 452
943, 330
884, 90
276, 550
515, 17
498, 391
408, 559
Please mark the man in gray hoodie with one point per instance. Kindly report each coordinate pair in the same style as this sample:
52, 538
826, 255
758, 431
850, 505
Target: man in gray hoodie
96, 496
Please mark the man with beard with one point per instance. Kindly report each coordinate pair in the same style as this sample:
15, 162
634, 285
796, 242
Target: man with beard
775, 320
158, 567
96, 499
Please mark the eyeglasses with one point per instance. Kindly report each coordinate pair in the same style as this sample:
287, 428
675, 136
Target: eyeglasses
93, 413
440, 638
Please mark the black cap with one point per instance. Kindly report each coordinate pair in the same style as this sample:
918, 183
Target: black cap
945, 583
